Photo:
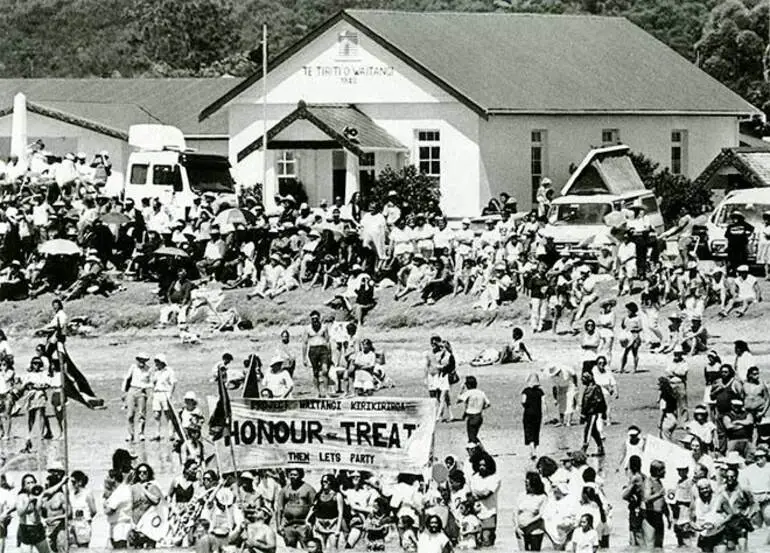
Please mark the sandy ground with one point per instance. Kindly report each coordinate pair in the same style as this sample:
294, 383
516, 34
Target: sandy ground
95, 434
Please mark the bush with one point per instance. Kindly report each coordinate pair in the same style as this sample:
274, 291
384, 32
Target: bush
673, 191
416, 190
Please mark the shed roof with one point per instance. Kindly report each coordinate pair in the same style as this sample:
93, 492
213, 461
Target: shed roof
752, 163
118, 103
533, 63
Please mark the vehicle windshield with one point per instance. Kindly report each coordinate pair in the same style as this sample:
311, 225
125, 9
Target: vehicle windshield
209, 175
752, 213
579, 214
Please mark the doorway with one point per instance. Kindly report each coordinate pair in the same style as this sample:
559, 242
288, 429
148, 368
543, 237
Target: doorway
339, 174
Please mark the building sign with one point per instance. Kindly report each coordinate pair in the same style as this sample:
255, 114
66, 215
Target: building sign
364, 434
348, 73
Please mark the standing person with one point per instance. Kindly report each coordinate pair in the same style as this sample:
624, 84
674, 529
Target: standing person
255, 534
633, 494
654, 500
31, 531
609, 385
757, 400
484, 486
632, 341
590, 341
475, 402
538, 294
565, 386
292, 508
432, 376
723, 392
739, 428
669, 408
57, 331
325, 516
676, 372
83, 507
744, 359
763, 244
737, 233
317, 352
145, 494
530, 526
532, 401
137, 386
593, 407
605, 323
164, 383
433, 539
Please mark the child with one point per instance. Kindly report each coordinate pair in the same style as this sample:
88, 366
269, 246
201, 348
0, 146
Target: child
680, 505
585, 539
702, 428
377, 525
515, 352
470, 526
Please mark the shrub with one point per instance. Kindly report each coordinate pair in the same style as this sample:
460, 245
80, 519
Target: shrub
416, 190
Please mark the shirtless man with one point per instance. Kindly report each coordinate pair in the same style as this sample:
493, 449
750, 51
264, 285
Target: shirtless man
316, 352
254, 534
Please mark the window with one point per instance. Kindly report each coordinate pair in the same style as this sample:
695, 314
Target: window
429, 153
610, 137
538, 159
163, 175
679, 152
138, 174
347, 45
286, 171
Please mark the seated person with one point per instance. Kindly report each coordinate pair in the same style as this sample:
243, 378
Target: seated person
413, 277
13, 283
277, 380
695, 340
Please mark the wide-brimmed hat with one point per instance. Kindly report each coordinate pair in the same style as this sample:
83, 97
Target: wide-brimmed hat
733, 458
161, 358
141, 356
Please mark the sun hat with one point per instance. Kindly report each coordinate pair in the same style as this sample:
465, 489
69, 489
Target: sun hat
190, 396
162, 358
743, 269
142, 356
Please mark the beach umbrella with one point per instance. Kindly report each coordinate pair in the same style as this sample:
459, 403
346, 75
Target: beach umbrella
59, 246
114, 218
173, 252
234, 216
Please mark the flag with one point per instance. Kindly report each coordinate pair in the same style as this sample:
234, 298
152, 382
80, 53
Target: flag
76, 385
251, 386
222, 416
176, 421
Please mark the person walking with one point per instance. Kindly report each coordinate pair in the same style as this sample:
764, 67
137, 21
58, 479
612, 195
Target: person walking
593, 406
317, 352
164, 383
632, 341
137, 387
633, 494
475, 402
532, 420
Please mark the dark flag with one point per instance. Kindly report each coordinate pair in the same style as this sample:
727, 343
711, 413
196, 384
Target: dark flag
176, 421
76, 385
221, 418
251, 386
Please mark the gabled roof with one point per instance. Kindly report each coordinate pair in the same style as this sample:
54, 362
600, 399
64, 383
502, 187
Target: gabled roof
72, 119
753, 164
531, 63
344, 124
118, 103
604, 171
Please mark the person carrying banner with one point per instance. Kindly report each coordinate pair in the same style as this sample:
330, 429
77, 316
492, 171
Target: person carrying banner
292, 508
137, 387
145, 495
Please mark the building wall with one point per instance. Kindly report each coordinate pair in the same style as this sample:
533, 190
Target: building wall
506, 145
61, 138
208, 145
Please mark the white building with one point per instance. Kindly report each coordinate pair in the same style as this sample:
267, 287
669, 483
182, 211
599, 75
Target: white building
486, 103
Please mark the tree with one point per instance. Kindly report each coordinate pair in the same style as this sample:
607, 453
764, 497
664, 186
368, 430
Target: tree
674, 191
417, 190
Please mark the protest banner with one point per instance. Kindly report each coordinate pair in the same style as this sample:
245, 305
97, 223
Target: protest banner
357, 433
672, 455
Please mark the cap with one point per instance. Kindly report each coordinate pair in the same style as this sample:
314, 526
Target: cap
743, 269
472, 445
289, 198
761, 451
304, 205
675, 317
466, 221
142, 356
162, 358
733, 458
682, 465
276, 360
634, 431
701, 409
56, 466
553, 370
191, 396
545, 181
81, 155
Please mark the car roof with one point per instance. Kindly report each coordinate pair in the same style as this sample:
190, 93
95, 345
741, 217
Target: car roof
748, 195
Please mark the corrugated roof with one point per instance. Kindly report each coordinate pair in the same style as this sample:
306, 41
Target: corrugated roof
534, 63
753, 164
337, 122
118, 103
547, 63
758, 162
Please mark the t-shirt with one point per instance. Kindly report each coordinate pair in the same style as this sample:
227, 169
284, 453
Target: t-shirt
585, 541
164, 381
475, 401
432, 543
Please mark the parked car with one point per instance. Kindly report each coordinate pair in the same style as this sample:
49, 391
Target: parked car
752, 202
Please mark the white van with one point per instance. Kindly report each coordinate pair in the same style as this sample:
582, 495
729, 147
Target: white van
164, 168
573, 220
752, 202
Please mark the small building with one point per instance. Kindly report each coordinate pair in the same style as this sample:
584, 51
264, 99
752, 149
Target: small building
90, 115
736, 168
485, 103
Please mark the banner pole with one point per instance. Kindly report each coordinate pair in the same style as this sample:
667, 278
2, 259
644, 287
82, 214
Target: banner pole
65, 435
228, 432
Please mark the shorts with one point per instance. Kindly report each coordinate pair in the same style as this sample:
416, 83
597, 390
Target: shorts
160, 402
30, 534
320, 359
294, 534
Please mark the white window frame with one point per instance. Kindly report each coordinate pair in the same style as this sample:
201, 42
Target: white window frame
283, 162
679, 143
538, 142
613, 139
430, 142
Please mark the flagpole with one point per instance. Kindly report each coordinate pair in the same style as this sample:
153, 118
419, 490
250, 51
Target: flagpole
65, 434
264, 114
225, 398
